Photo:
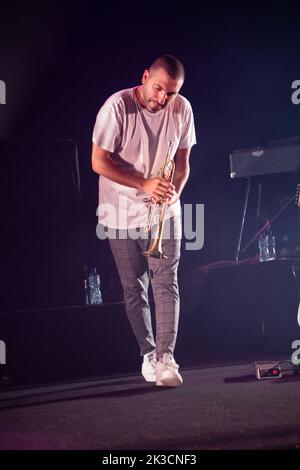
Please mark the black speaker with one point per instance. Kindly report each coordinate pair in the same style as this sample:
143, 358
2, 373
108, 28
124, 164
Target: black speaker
42, 243
68, 342
246, 308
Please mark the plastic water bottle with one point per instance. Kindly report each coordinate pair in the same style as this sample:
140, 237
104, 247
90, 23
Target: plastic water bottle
263, 246
267, 249
95, 296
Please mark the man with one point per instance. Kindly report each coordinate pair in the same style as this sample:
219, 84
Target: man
131, 139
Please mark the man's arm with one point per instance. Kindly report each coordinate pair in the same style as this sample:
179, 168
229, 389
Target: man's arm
103, 164
182, 171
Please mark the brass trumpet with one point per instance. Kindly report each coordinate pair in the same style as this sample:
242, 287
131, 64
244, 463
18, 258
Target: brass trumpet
166, 172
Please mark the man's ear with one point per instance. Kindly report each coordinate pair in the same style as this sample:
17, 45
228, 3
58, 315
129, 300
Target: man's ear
145, 76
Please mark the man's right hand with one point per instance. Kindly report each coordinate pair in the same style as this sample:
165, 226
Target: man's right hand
159, 189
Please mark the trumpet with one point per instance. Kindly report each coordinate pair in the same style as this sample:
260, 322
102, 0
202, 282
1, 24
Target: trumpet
166, 172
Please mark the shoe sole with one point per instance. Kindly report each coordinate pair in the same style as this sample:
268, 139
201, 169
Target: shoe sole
149, 378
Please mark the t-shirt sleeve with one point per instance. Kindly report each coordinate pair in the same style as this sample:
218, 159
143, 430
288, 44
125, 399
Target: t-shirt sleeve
188, 133
108, 127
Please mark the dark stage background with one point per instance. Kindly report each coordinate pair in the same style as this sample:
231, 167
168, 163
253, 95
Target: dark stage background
61, 61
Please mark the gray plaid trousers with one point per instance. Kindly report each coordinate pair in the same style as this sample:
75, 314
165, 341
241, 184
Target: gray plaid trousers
135, 271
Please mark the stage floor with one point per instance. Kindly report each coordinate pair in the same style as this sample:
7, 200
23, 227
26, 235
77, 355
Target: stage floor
221, 405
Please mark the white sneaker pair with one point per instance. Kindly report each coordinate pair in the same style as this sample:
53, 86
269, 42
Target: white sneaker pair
164, 372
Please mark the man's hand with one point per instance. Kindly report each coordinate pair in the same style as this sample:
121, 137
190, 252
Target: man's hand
173, 199
169, 202
159, 189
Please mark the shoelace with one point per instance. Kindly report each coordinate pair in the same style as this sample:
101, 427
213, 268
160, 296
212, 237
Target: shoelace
171, 363
151, 359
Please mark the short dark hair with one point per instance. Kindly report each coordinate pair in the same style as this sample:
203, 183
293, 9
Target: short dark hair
173, 66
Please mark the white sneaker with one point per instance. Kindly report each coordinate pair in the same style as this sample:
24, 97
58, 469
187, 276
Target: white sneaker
148, 366
167, 374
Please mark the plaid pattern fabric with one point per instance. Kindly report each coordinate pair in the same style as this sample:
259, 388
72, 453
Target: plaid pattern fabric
135, 271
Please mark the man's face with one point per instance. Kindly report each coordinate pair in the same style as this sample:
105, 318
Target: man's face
158, 89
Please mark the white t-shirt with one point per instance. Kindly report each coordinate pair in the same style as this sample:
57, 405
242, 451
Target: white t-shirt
138, 140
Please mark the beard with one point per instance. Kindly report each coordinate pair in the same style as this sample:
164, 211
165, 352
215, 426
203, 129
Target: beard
154, 106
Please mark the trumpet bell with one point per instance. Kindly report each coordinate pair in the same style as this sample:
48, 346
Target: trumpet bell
155, 248
154, 254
